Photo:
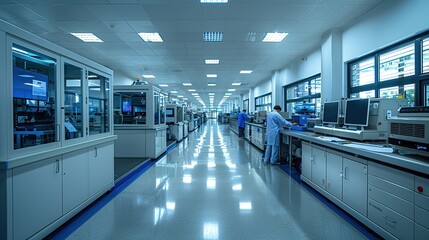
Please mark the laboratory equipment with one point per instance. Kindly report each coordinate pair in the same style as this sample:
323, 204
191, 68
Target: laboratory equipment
174, 118
302, 113
357, 112
260, 116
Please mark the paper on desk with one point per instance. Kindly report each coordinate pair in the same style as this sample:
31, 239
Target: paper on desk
370, 148
331, 139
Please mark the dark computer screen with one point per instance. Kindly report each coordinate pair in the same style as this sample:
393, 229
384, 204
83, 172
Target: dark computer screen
29, 84
169, 112
357, 112
330, 112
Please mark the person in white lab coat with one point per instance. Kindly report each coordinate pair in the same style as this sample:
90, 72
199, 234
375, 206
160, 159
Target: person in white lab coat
275, 122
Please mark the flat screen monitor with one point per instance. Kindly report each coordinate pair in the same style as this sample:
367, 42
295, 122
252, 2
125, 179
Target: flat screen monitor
330, 112
169, 112
126, 107
29, 85
357, 112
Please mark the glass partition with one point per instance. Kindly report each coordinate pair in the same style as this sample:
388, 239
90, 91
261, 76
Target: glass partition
162, 100
130, 107
73, 104
34, 98
156, 105
98, 103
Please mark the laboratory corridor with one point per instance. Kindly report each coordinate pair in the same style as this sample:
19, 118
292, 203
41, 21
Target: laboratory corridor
213, 185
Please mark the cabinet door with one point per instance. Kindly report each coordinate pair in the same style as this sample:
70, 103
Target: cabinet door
307, 158
318, 169
355, 185
101, 167
334, 177
37, 196
75, 179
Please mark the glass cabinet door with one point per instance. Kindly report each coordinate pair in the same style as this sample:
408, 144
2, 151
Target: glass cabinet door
156, 107
162, 100
34, 98
130, 107
73, 104
98, 103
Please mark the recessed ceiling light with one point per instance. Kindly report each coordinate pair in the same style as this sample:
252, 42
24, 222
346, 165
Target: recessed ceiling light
231, 90
192, 90
211, 84
228, 94
213, 1
163, 85
212, 61
211, 94
236, 84
187, 84
185, 98
173, 91
274, 37
148, 76
150, 36
87, 37
212, 75
246, 71
194, 94
179, 96
213, 36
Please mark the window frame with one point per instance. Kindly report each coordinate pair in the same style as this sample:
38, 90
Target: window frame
308, 98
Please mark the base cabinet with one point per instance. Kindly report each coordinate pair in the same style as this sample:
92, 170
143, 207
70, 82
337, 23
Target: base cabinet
334, 175
46, 191
355, 185
37, 196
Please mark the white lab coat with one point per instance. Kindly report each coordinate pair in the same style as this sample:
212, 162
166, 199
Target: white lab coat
275, 122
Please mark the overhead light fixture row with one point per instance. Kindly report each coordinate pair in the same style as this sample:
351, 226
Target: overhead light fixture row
211, 84
163, 85
150, 36
246, 71
212, 75
236, 84
212, 61
187, 84
212, 36
274, 37
87, 37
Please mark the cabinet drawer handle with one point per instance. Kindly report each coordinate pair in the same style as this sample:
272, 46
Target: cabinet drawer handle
390, 222
379, 209
57, 166
96, 152
345, 173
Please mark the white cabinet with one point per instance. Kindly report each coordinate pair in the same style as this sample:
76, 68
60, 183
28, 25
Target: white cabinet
318, 168
37, 196
355, 185
334, 175
307, 159
156, 142
101, 167
75, 179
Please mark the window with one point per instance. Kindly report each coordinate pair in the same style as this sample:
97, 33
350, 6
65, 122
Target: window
425, 55
246, 104
305, 91
394, 72
362, 73
263, 103
397, 63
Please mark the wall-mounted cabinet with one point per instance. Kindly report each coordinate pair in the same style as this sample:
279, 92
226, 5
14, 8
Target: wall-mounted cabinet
56, 124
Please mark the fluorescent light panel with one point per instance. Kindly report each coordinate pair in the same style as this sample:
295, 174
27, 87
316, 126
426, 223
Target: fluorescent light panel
213, 1
150, 36
192, 90
212, 75
228, 94
194, 94
187, 84
246, 71
211, 94
173, 91
148, 76
236, 84
274, 37
212, 61
231, 90
163, 85
87, 37
213, 36
211, 84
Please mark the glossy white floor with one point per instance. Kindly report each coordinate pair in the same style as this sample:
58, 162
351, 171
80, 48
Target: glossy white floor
214, 186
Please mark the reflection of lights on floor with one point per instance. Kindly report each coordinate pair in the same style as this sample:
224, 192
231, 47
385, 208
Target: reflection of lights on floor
187, 178
211, 155
211, 183
245, 206
211, 164
237, 187
211, 231
171, 205
158, 214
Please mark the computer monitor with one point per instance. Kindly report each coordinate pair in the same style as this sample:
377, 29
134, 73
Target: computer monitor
357, 112
330, 112
169, 112
126, 107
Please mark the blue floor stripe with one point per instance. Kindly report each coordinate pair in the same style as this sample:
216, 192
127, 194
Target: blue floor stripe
370, 234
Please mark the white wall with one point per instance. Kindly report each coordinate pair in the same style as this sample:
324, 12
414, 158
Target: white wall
389, 22
303, 68
263, 88
121, 79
